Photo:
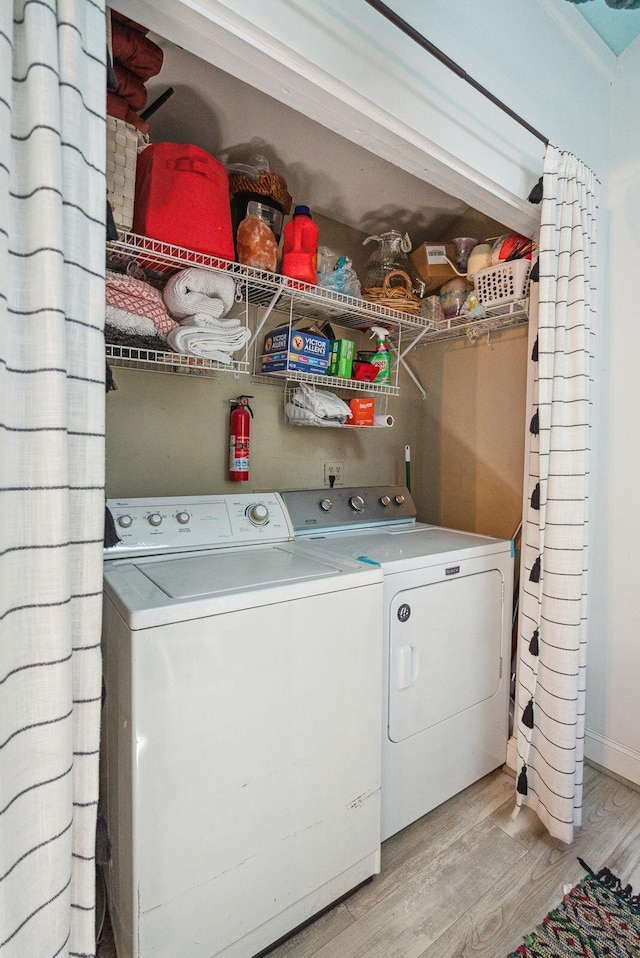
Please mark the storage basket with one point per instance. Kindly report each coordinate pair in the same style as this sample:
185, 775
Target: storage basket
122, 156
267, 184
397, 295
502, 284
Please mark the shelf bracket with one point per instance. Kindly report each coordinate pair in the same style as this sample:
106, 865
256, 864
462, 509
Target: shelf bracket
265, 316
407, 368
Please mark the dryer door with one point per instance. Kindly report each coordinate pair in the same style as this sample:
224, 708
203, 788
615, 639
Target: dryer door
445, 650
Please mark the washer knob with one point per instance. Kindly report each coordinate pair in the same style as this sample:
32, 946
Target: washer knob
385, 501
155, 519
183, 518
125, 522
357, 503
399, 499
326, 505
258, 514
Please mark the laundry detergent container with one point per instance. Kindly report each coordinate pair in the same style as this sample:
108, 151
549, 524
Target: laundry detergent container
182, 198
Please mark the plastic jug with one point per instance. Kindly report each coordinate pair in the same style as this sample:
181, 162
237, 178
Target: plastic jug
300, 247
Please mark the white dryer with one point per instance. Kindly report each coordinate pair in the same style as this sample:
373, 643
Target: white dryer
241, 746
447, 640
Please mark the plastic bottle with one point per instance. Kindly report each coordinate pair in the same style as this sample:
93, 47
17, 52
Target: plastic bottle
382, 357
300, 247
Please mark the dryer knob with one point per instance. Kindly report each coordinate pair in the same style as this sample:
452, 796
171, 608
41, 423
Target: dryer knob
357, 503
183, 518
155, 519
125, 522
258, 514
326, 505
399, 499
385, 501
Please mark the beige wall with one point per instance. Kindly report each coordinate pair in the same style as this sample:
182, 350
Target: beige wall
168, 435
470, 462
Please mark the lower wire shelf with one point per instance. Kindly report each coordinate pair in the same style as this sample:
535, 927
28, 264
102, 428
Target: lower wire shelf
153, 360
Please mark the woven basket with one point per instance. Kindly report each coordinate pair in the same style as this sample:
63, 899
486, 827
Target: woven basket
394, 295
267, 184
122, 156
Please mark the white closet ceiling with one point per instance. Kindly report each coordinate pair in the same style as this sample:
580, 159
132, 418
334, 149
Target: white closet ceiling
330, 174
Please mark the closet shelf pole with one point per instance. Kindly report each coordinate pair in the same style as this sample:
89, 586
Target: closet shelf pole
431, 48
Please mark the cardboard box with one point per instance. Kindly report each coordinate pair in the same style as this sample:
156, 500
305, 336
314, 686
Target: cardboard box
341, 358
286, 348
429, 260
362, 412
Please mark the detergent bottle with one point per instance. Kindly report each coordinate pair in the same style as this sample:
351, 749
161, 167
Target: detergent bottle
300, 247
381, 357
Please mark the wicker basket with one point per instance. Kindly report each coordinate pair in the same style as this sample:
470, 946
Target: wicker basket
394, 295
502, 284
267, 184
122, 155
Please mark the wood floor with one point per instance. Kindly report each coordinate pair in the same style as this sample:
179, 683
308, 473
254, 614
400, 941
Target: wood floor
468, 881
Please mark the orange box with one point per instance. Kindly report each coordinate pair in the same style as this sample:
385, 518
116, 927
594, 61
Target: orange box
362, 411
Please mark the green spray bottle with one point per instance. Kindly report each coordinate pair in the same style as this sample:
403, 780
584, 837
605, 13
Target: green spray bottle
382, 357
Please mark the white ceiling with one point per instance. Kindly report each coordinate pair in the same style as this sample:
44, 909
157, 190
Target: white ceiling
618, 28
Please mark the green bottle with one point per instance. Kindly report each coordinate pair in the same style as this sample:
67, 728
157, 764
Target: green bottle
382, 357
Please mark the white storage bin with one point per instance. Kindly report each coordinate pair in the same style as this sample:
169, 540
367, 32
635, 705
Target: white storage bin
504, 283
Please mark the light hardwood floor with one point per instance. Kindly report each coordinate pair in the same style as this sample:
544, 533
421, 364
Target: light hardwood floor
468, 881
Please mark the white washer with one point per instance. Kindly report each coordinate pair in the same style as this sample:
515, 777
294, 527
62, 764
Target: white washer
241, 743
447, 640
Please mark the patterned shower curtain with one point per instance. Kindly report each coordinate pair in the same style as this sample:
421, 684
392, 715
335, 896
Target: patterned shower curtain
550, 700
52, 368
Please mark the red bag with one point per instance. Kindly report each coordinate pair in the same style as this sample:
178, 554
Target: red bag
182, 198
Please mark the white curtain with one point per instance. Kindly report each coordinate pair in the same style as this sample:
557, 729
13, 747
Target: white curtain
550, 700
52, 212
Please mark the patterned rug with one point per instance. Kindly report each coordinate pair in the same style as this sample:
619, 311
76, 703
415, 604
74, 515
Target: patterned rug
597, 918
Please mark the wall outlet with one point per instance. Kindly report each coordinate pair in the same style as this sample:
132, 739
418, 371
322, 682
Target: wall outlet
333, 474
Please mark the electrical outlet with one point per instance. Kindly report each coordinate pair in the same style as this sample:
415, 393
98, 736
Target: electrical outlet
333, 474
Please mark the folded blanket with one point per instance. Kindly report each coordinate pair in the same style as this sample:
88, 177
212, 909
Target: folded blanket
210, 322
131, 323
124, 293
135, 51
210, 344
194, 290
130, 87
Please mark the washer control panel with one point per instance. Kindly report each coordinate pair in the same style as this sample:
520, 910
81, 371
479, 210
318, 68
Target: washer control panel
171, 524
315, 510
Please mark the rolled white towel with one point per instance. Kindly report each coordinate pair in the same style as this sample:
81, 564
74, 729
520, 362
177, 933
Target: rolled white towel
207, 343
194, 290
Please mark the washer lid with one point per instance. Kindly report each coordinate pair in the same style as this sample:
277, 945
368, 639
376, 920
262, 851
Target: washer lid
192, 576
162, 589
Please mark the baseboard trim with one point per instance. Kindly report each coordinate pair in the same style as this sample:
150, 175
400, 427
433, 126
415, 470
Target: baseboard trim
612, 756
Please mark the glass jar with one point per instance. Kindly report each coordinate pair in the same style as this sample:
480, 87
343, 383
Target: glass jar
390, 254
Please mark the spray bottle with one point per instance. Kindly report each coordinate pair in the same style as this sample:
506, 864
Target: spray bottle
381, 358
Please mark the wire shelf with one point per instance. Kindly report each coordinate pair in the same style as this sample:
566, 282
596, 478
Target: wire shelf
294, 414
260, 287
498, 317
169, 362
352, 385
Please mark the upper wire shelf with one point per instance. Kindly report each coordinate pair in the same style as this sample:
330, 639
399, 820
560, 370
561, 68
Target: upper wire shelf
259, 287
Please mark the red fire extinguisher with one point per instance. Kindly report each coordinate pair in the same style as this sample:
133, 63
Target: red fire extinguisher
241, 415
